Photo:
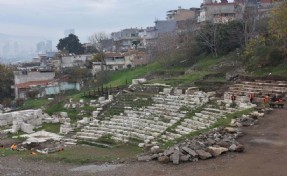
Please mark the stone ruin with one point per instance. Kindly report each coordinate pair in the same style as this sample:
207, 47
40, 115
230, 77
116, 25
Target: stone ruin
152, 123
210, 144
259, 88
28, 120
25, 121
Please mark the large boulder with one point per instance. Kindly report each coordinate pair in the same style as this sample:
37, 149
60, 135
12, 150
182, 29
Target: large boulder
175, 156
163, 159
203, 154
169, 151
184, 158
190, 151
216, 151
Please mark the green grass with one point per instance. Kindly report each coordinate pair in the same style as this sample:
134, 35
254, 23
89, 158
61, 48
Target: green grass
280, 70
35, 103
50, 127
7, 152
205, 62
119, 78
59, 107
183, 79
81, 154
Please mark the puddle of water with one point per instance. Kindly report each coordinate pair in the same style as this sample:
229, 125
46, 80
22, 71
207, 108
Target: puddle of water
95, 168
267, 141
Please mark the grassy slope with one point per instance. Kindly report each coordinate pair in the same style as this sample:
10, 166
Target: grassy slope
119, 78
280, 70
35, 103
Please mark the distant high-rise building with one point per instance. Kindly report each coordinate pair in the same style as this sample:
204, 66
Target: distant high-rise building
16, 47
41, 47
67, 32
48, 46
44, 47
6, 48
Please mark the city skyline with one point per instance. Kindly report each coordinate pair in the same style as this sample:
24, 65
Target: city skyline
29, 22
46, 20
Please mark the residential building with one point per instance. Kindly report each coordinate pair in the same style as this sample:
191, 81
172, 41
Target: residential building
97, 67
182, 14
124, 39
115, 61
148, 36
220, 12
165, 26
61, 85
224, 11
41, 83
26, 80
75, 60
136, 58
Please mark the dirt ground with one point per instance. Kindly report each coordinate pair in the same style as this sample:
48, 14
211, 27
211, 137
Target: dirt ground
265, 155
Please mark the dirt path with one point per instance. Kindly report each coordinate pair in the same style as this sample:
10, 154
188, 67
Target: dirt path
265, 155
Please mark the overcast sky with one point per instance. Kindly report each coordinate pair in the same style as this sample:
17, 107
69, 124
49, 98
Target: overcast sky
47, 19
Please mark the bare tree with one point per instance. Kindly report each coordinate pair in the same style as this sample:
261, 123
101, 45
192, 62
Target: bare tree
249, 21
207, 36
97, 41
165, 47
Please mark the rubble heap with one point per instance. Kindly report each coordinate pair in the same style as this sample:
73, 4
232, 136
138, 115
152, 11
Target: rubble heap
211, 144
208, 145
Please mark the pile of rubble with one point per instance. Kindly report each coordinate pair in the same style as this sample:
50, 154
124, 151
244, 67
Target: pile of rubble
44, 142
211, 144
247, 120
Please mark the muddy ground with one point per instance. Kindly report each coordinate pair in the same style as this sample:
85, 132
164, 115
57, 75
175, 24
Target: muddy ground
265, 155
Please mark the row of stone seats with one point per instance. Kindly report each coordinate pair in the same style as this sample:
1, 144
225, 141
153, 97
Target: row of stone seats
256, 91
259, 88
129, 127
266, 83
144, 124
204, 119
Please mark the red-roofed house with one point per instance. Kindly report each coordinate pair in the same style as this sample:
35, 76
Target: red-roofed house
41, 84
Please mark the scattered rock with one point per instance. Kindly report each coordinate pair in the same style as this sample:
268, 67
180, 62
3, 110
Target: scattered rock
216, 151
168, 152
239, 148
154, 148
184, 158
231, 130
190, 151
163, 159
223, 144
175, 156
144, 158
203, 154
232, 148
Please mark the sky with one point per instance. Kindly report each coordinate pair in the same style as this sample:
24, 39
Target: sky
34, 20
